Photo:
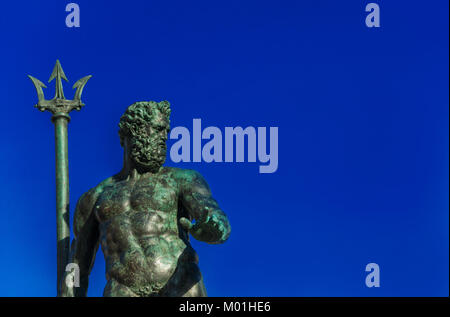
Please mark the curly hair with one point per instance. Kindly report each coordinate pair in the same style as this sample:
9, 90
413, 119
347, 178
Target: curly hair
139, 114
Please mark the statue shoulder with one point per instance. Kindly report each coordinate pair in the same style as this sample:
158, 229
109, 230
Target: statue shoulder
182, 175
89, 197
87, 201
189, 179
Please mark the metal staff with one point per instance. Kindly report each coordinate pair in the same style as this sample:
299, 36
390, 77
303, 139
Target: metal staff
60, 108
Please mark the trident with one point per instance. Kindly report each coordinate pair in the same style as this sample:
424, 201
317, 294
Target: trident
60, 108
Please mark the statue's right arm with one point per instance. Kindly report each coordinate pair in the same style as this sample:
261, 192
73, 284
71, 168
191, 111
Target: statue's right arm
84, 245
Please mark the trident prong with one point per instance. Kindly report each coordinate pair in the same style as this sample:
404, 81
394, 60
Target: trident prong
58, 73
79, 85
38, 85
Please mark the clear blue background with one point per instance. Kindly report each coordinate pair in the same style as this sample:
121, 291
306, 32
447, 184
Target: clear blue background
363, 117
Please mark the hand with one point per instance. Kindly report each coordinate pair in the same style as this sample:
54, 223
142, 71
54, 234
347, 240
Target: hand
205, 229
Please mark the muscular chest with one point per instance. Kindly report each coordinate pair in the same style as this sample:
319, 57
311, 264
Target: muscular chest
141, 196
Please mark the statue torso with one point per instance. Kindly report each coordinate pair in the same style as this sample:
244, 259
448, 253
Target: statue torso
139, 232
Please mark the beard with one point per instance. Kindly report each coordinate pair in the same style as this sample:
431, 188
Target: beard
148, 153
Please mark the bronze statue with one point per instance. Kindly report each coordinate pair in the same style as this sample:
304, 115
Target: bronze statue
142, 217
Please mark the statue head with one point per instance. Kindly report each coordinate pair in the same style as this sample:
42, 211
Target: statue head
143, 130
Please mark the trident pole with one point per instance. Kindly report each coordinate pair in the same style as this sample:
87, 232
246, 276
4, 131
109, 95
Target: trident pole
60, 121
60, 108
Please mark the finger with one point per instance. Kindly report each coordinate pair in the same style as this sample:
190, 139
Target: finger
196, 232
185, 223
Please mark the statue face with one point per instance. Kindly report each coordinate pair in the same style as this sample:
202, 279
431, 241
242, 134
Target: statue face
148, 146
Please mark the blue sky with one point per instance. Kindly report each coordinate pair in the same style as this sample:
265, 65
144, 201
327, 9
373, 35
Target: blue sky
363, 135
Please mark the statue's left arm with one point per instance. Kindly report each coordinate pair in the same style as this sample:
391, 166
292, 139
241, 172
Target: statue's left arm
84, 245
211, 224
